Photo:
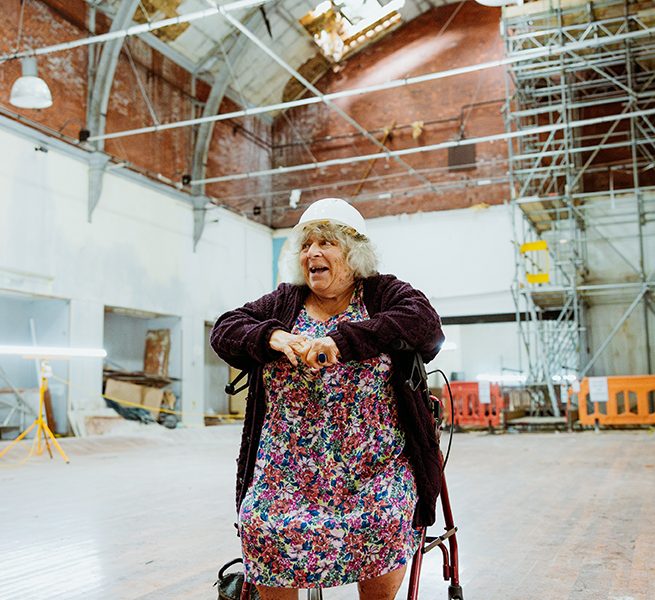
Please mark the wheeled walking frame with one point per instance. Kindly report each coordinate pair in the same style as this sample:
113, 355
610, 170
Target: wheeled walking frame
418, 381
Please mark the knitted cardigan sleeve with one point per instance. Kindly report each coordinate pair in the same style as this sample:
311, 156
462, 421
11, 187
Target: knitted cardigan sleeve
398, 312
241, 336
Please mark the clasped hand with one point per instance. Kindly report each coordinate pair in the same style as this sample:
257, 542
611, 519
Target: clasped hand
306, 349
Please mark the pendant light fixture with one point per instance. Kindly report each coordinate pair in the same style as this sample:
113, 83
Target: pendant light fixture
29, 90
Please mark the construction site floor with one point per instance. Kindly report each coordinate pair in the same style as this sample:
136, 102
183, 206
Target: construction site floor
541, 516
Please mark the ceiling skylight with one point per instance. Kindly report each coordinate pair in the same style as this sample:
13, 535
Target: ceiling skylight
340, 27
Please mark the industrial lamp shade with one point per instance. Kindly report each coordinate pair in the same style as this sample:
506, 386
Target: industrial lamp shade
30, 91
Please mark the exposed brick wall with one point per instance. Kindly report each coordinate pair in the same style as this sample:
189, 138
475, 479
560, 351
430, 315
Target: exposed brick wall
229, 154
472, 101
618, 159
469, 103
168, 86
65, 73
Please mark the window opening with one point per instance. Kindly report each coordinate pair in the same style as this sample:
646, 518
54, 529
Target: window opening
341, 27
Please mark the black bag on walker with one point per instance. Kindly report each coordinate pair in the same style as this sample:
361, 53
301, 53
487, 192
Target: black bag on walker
230, 584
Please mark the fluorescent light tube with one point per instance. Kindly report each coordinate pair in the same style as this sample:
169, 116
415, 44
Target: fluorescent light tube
52, 352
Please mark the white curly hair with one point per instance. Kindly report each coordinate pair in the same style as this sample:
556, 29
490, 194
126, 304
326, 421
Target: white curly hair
358, 250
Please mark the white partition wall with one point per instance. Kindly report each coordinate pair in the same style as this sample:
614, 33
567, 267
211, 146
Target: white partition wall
463, 260
137, 253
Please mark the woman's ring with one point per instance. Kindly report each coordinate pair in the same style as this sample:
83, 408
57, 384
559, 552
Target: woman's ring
322, 357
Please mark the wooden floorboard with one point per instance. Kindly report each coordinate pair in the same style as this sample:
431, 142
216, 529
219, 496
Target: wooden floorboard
542, 516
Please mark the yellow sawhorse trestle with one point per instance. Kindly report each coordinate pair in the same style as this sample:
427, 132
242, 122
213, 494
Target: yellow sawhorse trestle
43, 435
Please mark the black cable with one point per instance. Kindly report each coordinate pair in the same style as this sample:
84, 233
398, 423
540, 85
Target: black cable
452, 413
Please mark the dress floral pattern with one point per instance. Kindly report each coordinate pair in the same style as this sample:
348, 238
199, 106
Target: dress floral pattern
332, 496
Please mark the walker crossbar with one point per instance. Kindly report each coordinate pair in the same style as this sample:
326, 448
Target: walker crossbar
436, 541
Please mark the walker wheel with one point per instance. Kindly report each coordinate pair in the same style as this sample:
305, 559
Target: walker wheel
314, 594
455, 592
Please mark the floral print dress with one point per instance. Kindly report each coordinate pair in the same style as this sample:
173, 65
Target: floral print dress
332, 496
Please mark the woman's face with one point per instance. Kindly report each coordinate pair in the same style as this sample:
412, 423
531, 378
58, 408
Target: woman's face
324, 267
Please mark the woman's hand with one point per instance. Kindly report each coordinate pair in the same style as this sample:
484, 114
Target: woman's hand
320, 348
289, 344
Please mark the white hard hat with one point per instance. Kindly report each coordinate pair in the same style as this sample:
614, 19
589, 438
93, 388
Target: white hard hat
334, 210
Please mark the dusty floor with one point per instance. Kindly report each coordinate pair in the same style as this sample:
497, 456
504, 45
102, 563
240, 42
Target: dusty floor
541, 517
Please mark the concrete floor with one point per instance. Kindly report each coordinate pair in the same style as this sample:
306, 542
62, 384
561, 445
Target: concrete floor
541, 517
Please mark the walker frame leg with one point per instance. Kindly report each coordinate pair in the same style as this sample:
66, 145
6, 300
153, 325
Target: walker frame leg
450, 554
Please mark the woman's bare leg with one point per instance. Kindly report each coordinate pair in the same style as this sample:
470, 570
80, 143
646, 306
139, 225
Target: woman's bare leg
383, 587
275, 593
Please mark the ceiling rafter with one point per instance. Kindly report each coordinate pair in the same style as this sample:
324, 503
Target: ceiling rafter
133, 30
433, 147
204, 137
526, 55
96, 117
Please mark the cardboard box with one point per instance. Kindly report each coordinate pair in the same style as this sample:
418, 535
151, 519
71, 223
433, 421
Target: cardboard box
148, 397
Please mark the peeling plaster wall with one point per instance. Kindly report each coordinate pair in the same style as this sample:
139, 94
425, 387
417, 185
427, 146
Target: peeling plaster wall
136, 254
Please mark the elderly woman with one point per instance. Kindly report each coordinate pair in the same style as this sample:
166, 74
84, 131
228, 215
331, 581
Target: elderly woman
338, 462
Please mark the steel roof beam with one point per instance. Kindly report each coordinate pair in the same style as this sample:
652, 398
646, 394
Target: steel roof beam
389, 85
134, 30
203, 140
96, 117
150, 39
429, 148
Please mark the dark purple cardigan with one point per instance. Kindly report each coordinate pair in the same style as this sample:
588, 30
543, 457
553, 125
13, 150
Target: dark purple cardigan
397, 312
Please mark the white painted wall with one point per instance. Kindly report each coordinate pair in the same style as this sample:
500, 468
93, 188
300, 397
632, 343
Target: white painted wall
463, 260
490, 348
136, 254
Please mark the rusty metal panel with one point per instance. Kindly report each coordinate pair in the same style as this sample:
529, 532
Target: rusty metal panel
158, 347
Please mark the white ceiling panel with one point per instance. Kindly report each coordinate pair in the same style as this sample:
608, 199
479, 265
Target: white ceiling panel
260, 79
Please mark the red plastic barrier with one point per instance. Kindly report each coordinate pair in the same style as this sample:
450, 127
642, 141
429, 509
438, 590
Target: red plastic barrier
469, 411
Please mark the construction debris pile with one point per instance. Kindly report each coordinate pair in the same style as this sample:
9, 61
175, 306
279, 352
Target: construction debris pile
142, 395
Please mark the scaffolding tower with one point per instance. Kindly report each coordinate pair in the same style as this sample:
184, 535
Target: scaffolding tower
581, 117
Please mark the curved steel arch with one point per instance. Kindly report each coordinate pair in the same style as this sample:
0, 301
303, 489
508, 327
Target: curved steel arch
99, 100
204, 137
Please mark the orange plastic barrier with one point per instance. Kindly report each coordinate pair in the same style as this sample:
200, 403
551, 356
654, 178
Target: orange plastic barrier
631, 401
469, 412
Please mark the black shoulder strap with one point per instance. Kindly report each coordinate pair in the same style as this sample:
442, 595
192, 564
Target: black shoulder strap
231, 388
418, 381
